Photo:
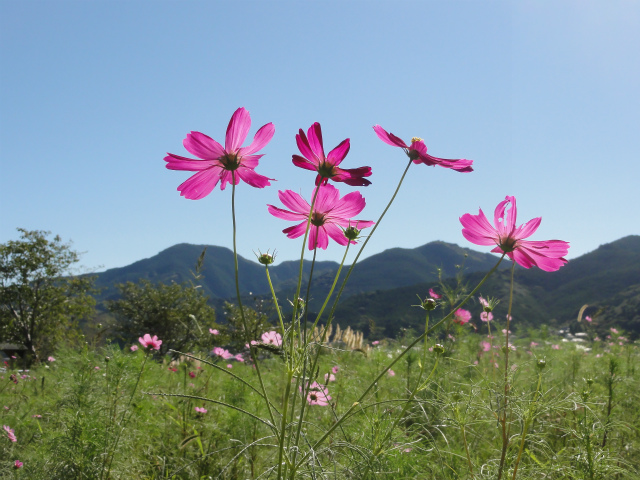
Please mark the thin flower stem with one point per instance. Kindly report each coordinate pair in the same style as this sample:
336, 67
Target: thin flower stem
505, 403
393, 362
527, 423
275, 301
244, 321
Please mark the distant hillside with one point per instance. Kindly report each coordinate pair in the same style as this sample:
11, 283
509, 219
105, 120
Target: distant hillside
607, 278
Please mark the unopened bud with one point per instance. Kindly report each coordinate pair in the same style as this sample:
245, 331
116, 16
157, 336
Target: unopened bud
107, 359
266, 259
352, 233
429, 304
541, 364
589, 381
439, 349
585, 395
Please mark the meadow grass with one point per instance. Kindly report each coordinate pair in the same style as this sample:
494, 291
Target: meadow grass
578, 413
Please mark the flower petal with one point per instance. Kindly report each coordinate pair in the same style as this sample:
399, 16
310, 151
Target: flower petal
336, 155
353, 176
348, 206
201, 184
286, 214
318, 236
176, 162
296, 231
478, 230
294, 201
203, 146
252, 178
314, 134
326, 199
302, 162
305, 149
336, 233
388, 138
528, 228
260, 139
237, 130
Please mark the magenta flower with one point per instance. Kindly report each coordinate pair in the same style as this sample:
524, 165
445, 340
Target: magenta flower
18, 464
239, 357
51, 359
391, 373
272, 338
229, 365
218, 164
335, 369
134, 348
327, 167
10, 433
317, 395
486, 316
483, 302
214, 331
192, 374
221, 352
329, 377
462, 316
201, 410
330, 213
375, 342
417, 152
509, 239
434, 295
148, 341
486, 346
588, 319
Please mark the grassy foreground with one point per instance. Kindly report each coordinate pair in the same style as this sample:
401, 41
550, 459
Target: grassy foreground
76, 417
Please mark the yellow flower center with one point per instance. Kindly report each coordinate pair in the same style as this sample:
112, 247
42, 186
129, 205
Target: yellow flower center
416, 139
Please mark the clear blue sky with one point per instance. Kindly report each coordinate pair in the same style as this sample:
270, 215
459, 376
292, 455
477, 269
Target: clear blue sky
544, 96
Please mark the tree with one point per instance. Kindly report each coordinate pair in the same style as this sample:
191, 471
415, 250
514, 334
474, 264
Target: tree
177, 313
41, 300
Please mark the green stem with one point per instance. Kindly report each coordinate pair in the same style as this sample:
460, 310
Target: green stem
244, 321
527, 423
275, 301
505, 403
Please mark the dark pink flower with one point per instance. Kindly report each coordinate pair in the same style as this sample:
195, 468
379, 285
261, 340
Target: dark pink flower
486, 316
134, 348
417, 152
148, 341
217, 164
509, 239
10, 433
18, 464
272, 338
330, 212
462, 316
313, 158
192, 374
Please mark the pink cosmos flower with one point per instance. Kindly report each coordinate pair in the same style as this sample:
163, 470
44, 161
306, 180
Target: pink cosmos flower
201, 409
272, 338
486, 346
221, 352
134, 348
417, 152
18, 464
36, 416
391, 373
10, 433
148, 341
318, 395
614, 330
239, 357
313, 158
96, 368
486, 316
555, 347
329, 214
509, 239
588, 319
375, 342
229, 365
462, 316
434, 295
533, 344
214, 331
483, 302
218, 164
329, 377
335, 369
192, 374
51, 359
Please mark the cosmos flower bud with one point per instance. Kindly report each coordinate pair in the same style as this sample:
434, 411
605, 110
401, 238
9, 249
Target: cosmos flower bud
439, 349
589, 381
429, 304
266, 259
541, 364
352, 233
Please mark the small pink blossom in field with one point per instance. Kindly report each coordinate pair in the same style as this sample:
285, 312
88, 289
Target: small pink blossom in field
391, 373
407, 450
483, 302
253, 342
329, 377
134, 348
192, 374
462, 316
18, 464
214, 331
14, 357
496, 365
434, 295
431, 349
201, 409
239, 357
229, 365
486, 346
547, 255
96, 368
6, 408
588, 318
331, 214
10, 433
476, 362
335, 369
555, 347
148, 341
614, 330
597, 339
318, 395
36, 416
608, 337
620, 343
221, 352
611, 344
533, 344
504, 331
486, 316
51, 359
508, 317
313, 158
624, 339
598, 355
226, 165
417, 152
375, 342
490, 337
191, 385
529, 352
451, 337
171, 369
272, 338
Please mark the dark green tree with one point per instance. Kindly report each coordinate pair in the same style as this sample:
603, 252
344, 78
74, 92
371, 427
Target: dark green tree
41, 301
177, 313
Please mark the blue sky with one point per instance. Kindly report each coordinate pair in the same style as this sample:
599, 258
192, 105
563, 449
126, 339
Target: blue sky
543, 96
